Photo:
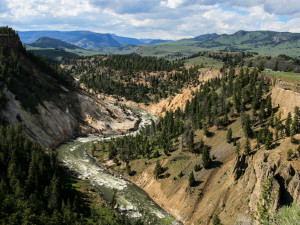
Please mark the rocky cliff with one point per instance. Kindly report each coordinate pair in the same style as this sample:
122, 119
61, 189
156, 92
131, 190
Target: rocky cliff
74, 113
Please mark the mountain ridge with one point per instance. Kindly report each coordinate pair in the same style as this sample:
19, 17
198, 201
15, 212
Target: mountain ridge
85, 39
46, 42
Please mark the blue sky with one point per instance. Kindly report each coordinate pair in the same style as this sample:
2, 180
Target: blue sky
166, 19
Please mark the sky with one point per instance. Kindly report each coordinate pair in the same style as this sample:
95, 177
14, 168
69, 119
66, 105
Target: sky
163, 19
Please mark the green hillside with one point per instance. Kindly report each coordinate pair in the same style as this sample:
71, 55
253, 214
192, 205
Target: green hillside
60, 54
263, 42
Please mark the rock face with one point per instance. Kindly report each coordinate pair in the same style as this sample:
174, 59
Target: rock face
232, 191
286, 99
180, 100
74, 113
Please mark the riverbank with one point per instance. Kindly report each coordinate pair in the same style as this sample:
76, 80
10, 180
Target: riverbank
131, 200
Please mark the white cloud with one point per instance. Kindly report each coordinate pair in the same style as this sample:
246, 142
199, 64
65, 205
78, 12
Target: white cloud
173, 3
169, 19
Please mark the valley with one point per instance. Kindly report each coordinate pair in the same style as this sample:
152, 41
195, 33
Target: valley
211, 137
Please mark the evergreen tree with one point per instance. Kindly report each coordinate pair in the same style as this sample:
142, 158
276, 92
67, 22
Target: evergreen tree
197, 167
262, 111
205, 130
268, 140
261, 66
296, 121
206, 160
192, 181
216, 220
229, 135
247, 125
247, 147
191, 143
269, 105
288, 125
289, 155
158, 170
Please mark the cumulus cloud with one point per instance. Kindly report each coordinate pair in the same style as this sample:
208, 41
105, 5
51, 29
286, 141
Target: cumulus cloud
169, 19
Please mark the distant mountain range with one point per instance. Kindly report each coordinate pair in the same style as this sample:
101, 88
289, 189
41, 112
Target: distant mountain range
263, 42
85, 39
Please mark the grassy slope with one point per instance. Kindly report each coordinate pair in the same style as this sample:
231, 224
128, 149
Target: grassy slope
205, 61
287, 76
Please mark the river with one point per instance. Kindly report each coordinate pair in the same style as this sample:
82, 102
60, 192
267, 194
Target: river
131, 200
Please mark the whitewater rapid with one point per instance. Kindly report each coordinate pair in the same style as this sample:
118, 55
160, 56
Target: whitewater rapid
131, 200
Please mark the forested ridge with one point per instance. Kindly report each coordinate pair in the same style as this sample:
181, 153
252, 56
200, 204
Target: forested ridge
35, 189
178, 147
20, 72
218, 102
137, 78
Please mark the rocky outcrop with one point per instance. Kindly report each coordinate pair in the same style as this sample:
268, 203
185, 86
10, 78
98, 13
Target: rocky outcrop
295, 87
73, 113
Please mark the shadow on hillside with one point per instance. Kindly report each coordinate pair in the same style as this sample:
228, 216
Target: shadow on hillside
210, 134
235, 139
197, 183
215, 164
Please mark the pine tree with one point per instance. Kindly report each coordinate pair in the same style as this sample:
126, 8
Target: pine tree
262, 111
206, 160
247, 147
269, 105
192, 180
289, 155
268, 140
261, 66
247, 125
191, 141
158, 170
271, 121
229, 135
296, 121
205, 130
216, 220
288, 125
